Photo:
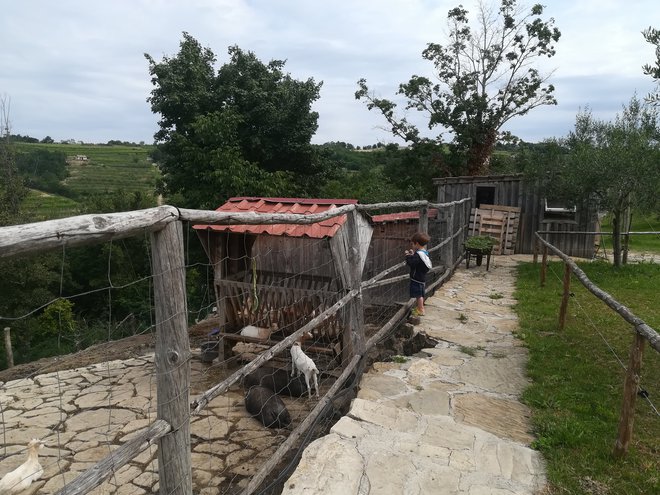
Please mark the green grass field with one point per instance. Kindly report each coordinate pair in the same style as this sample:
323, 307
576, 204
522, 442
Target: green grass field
107, 170
44, 206
638, 243
578, 376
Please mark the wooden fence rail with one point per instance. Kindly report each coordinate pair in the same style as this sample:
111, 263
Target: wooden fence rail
643, 332
172, 346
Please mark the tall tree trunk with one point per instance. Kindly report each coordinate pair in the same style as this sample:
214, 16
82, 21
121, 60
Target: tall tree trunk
627, 221
478, 159
616, 236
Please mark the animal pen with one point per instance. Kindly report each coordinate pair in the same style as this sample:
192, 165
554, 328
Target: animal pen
339, 304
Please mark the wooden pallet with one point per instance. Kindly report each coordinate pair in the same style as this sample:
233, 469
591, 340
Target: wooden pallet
499, 222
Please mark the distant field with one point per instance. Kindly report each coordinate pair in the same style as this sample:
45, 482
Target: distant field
107, 168
44, 206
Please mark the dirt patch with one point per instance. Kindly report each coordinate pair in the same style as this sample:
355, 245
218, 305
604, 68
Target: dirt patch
107, 351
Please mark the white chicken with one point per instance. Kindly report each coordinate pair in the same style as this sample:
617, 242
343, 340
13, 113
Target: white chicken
22, 477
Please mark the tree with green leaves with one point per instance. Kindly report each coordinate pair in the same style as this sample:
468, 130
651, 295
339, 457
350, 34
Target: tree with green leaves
12, 187
243, 130
652, 35
484, 78
614, 164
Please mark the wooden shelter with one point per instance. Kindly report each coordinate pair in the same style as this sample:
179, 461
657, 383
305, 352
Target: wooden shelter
536, 212
282, 275
391, 237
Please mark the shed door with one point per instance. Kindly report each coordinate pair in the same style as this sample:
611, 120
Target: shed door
485, 195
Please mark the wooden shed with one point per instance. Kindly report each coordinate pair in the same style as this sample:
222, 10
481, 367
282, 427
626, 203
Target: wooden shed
283, 274
537, 212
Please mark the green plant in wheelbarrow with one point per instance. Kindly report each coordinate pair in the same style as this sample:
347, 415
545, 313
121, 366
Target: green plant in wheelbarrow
483, 243
479, 245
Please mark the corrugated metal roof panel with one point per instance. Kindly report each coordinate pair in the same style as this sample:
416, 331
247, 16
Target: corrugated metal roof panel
301, 206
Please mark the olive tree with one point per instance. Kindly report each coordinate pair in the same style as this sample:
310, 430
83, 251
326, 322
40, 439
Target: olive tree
615, 164
652, 35
484, 77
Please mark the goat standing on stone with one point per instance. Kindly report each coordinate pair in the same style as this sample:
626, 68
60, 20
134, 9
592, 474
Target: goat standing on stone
302, 362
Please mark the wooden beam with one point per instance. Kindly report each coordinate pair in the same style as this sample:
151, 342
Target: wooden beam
108, 466
253, 218
82, 230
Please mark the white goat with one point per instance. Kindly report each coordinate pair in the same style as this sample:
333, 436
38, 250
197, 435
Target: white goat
23, 476
302, 362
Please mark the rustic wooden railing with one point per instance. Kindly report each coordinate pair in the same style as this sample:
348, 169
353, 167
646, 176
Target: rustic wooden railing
643, 332
172, 426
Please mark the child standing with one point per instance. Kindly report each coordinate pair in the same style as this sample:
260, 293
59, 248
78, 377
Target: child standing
419, 262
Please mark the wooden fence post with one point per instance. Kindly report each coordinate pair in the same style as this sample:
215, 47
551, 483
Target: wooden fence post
450, 232
424, 220
564, 298
536, 250
462, 223
629, 396
354, 339
8, 350
544, 265
172, 359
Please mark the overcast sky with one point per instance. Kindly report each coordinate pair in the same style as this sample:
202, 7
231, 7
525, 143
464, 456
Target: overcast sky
75, 69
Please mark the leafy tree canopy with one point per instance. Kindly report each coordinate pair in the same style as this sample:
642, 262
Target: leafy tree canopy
43, 169
243, 130
484, 78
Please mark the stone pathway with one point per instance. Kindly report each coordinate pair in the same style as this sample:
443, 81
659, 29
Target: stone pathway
446, 421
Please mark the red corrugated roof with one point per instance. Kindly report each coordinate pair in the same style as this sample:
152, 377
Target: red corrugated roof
301, 206
405, 215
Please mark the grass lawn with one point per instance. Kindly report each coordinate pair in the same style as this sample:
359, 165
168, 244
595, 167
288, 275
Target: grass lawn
578, 376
